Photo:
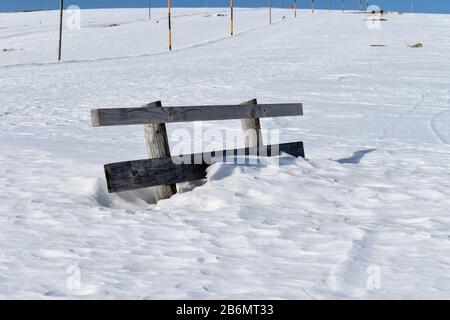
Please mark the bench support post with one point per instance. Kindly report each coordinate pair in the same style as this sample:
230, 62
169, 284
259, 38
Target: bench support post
252, 130
158, 147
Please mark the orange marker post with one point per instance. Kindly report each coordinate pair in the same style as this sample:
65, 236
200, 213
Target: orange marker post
169, 6
232, 16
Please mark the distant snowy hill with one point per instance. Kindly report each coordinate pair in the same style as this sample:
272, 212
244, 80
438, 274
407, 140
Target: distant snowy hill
365, 216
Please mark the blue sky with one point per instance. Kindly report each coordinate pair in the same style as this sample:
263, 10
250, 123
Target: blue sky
440, 6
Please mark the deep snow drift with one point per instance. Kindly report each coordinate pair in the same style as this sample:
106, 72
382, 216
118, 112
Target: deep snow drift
369, 206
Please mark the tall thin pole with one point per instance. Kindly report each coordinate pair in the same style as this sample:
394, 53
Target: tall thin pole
342, 4
295, 8
61, 9
312, 6
270, 11
149, 9
232, 16
169, 6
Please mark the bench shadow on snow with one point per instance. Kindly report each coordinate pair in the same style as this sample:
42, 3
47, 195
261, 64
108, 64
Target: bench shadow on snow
356, 157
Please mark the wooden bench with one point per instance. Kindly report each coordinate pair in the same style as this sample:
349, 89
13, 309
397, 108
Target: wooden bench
162, 170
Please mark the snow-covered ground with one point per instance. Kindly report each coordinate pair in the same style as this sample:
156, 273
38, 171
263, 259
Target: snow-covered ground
371, 202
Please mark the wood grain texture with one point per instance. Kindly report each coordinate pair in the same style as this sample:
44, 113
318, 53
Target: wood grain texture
158, 147
152, 115
252, 129
131, 175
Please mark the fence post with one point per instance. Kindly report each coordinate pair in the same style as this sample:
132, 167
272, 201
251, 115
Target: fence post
252, 130
232, 17
158, 147
270, 11
169, 18
149, 9
61, 13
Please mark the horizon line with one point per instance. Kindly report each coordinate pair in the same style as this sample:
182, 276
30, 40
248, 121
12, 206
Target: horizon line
214, 7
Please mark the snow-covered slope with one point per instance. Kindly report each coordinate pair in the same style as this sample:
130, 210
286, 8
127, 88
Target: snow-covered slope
371, 202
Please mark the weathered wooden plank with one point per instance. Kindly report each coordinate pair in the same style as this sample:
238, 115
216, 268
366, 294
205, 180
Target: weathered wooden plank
146, 115
252, 130
131, 175
158, 147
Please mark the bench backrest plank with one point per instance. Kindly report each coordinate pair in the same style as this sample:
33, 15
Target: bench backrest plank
153, 115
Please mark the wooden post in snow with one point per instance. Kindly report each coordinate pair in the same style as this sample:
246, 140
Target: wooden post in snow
169, 7
232, 16
158, 147
149, 10
270, 11
61, 9
252, 130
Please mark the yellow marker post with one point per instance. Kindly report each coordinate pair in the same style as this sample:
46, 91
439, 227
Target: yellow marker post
169, 5
232, 16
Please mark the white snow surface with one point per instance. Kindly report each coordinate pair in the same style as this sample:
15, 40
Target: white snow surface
373, 193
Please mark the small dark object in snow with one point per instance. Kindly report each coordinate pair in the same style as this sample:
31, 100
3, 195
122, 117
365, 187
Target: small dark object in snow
113, 25
378, 45
416, 45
